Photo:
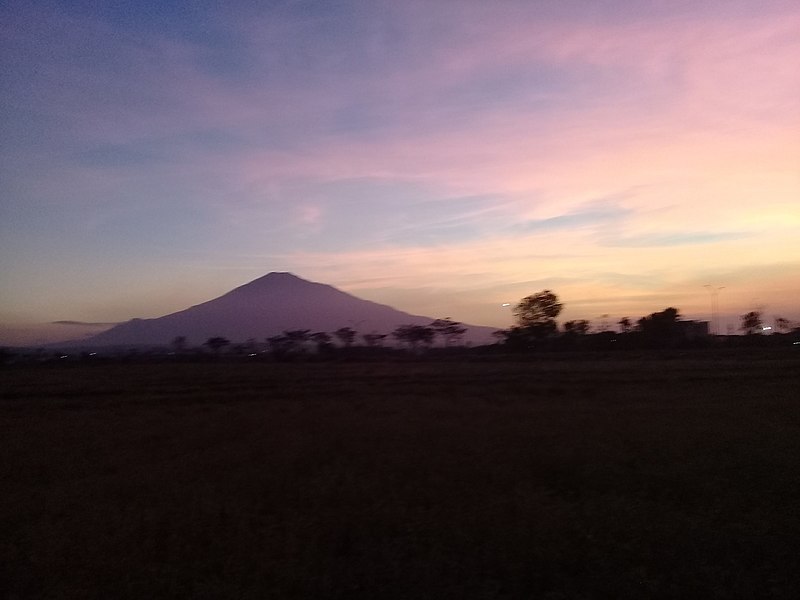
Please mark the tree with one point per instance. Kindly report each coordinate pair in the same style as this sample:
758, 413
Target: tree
783, 325
625, 325
414, 335
291, 342
518, 338
374, 339
216, 344
751, 322
322, 340
346, 335
296, 338
279, 345
179, 344
661, 326
451, 331
577, 327
537, 313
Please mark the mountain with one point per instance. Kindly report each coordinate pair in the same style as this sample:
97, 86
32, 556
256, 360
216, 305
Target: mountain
265, 307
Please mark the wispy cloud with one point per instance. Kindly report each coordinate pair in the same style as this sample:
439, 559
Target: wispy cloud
592, 215
676, 239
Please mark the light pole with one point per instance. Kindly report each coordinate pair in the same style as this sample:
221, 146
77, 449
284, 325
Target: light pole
714, 292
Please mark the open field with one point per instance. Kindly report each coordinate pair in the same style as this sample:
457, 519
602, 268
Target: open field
500, 479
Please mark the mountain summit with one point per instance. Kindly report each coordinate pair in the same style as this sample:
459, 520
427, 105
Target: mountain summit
265, 307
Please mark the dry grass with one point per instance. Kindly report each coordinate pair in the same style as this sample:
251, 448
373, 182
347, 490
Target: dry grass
618, 479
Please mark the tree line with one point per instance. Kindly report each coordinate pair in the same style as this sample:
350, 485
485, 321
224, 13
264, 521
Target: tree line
294, 341
536, 324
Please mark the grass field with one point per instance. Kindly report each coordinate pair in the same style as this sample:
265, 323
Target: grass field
646, 478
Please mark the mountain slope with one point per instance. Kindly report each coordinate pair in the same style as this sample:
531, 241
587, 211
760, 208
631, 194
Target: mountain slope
265, 307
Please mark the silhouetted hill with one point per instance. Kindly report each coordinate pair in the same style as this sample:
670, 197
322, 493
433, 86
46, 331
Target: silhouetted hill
265, 307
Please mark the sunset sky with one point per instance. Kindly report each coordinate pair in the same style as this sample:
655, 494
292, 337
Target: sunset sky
441, 157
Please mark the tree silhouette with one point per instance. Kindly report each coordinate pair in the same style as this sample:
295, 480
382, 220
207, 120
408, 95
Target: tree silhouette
322, 340
783, 325
346, 335
414, 335
296, 338
279, 345
660, 326
374, 339
751, 322
536, 314
178, 344
451, 331
625, 325
577, 327
216, 344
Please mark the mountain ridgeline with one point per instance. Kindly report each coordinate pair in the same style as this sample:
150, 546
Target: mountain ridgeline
266, 307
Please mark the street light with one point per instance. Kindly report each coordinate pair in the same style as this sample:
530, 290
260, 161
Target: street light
714, 292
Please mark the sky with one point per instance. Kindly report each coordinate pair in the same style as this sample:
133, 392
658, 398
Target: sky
441, 157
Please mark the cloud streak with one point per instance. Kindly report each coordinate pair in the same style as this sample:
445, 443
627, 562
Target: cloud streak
83, 324
677, 239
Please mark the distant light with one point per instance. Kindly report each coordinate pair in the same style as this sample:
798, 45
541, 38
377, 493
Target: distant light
506, 304
766, 328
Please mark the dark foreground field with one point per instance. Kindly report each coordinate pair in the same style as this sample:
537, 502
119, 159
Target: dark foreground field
541, 479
